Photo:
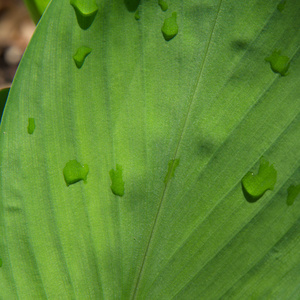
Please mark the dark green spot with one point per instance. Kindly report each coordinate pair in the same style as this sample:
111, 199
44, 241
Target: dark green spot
31, 125
281, 5
80, 55
279, 63
74, 172
132, 5
163, 5
172, 165
293, 192
254, 186
137, 15
3, 97
0, 262
117, 183
170, 27
86, 11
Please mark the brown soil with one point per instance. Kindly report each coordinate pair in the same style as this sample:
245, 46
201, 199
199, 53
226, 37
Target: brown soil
16, 29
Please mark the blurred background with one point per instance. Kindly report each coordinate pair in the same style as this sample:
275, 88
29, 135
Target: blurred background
16, 29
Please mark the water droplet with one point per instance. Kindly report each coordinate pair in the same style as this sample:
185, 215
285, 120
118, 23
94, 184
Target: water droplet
293, 192
31, 125
281, 5
172, 165
117, 186
170, 27
137, 15
85, 12
279, 63
132, 5
74, 172
254, 186
163, 5
81, 55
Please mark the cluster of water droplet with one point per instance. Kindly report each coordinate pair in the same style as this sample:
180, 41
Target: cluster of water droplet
86, 12
169, 28
73, 171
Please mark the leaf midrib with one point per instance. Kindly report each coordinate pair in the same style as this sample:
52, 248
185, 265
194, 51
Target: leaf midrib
166, 186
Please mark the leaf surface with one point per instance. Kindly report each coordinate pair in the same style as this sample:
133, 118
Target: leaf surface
36, 8
176, 124
3, 97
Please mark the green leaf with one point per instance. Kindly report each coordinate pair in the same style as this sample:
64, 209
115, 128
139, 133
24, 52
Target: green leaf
3, 97
184, 120
36, 8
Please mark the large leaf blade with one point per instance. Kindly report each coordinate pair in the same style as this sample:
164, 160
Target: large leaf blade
208, 98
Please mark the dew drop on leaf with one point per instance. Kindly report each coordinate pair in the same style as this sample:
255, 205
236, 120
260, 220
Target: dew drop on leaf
117, 183
137, 15
81, 55
279, 63
170, 27
172, 165
163, 5
31, 125
293, 192
85, 12
281, 5
74, 172
254, 186
132, 5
